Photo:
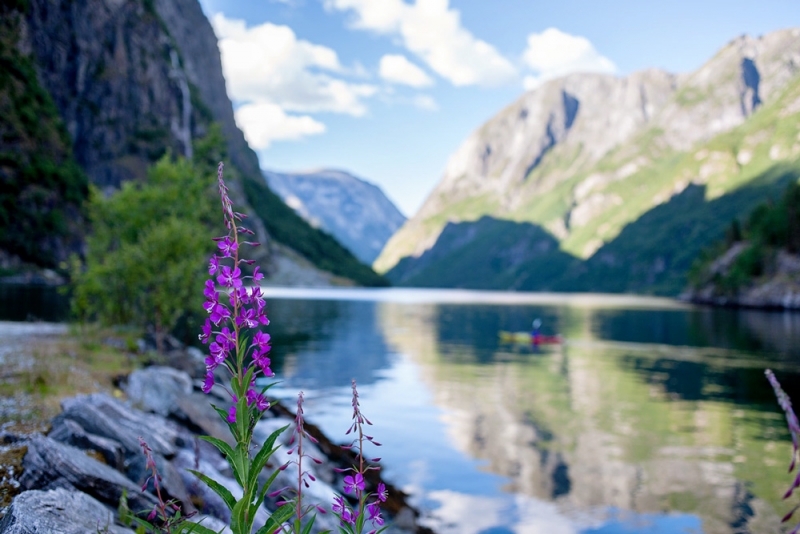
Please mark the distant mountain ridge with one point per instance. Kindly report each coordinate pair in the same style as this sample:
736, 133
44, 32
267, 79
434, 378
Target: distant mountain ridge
587, 156
357, 213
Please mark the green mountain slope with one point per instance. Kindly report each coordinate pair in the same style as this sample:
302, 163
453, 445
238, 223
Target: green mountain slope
631, 176
42, 189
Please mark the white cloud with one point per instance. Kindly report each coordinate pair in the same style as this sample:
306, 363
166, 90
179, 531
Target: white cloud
426, 102
269, 64
433, 32
397, 69
553, 53
263, 123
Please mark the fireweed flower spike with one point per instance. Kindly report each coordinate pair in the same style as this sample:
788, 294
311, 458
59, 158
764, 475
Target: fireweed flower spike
167, 512
238, 349
299, 434
352, 520
794, 430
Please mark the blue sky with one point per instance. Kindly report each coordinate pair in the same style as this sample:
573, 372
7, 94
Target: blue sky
388, 89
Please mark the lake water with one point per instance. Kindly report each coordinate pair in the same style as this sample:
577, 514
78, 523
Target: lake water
653, 417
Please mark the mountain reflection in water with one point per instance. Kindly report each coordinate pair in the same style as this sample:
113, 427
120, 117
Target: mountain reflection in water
654, 417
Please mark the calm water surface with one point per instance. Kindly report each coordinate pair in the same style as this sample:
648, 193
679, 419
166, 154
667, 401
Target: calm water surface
654, 417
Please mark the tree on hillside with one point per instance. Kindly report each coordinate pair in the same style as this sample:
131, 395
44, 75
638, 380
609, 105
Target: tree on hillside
146, 255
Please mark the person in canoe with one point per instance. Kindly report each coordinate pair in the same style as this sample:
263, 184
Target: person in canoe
536, 333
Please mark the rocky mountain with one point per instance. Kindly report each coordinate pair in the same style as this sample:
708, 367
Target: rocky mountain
357, 213
124, 82
758, 264
596, 182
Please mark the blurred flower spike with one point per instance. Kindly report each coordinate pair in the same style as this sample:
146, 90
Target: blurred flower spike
794, 430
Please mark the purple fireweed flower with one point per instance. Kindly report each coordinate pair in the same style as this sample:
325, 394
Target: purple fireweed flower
219, 313
382, 494
242, 295
261, 402
374, 511
349, 516
206, 332
346, 514
213, 265
228, 247
263, 363
230, 277
352, 483
231, 414
209, 381
261, 340
210, 292
238, 295
246, 318
254, 397
257, 298
227, 338
257, 275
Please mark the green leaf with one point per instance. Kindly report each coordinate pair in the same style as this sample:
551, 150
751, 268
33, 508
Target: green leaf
224, 415
223, 447
258, 465
265, 487
310, 524
143, 524
263, 456
219, 489
240, 522
271, 384
278, 518
195, 527
242, 420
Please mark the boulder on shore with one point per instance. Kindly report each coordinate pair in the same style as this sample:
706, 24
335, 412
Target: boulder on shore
58, 510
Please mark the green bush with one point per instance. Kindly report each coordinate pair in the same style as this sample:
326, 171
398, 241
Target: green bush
147, 253
770, 226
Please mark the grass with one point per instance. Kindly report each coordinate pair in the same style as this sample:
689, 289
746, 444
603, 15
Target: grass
86, 360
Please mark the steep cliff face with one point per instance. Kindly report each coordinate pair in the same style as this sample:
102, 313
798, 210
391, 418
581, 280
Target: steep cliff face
194, 36
41, 186
115, 75
354, 211
134, 79
587, 155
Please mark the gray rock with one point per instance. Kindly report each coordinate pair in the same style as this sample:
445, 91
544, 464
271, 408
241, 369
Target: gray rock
59, 510
156, 389
51, 465
195, 412
110, 418
69, 432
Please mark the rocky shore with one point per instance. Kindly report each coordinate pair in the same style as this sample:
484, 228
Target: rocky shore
76, 474
776, 289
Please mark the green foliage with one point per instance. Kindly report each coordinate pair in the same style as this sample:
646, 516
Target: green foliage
770, 227
42, 189
315, 245
146, 256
